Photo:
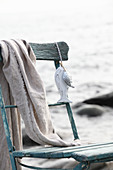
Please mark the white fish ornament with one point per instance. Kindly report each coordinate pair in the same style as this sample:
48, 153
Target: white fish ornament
63, 82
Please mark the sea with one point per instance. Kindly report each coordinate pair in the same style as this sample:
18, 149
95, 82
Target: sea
87, 28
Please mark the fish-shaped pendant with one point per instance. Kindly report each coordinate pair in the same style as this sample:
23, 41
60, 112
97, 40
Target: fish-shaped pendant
63, 82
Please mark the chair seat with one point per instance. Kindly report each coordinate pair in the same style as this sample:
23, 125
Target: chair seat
92, 153
98, 153
46, 152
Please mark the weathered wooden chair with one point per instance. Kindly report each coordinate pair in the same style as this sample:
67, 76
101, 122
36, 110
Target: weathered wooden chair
85, 155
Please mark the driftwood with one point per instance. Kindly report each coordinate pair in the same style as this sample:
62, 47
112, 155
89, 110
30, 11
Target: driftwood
103, 100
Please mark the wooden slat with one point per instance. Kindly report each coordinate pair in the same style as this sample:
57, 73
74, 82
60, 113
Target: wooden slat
80, 153
95, 154
48, 51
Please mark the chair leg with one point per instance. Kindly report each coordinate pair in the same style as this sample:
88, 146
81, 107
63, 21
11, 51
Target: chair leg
13, 162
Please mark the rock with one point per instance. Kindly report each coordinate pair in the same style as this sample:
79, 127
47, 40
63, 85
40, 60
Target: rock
27, 141
90, 110
103, 100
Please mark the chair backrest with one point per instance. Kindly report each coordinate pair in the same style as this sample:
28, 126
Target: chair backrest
47, 51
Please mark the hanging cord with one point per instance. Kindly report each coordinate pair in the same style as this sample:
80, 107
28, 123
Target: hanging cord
59, 52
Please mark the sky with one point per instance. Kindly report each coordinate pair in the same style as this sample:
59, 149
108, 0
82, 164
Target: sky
34, 5
50, 5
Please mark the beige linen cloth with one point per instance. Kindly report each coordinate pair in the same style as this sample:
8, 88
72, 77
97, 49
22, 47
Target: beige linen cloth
22, 85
